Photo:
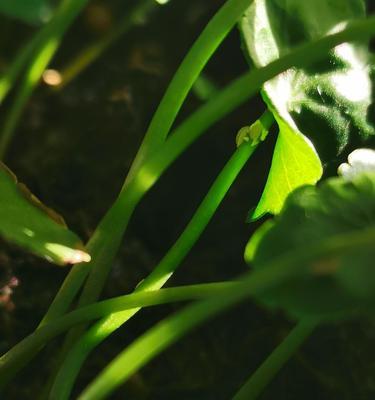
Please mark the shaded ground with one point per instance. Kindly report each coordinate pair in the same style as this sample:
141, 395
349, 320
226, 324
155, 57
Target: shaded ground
73, 149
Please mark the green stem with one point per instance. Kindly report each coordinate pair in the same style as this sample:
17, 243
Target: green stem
140, 186
12, 361
204, 88
167, 332
41, 51
102, 247
190, 130
8, 79
201, 51
162, 272
92, 52
275, 361
234, 95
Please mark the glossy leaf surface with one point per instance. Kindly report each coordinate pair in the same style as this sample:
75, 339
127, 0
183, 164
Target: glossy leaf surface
25, 221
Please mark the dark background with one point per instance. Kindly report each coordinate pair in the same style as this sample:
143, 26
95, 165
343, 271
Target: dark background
73, 149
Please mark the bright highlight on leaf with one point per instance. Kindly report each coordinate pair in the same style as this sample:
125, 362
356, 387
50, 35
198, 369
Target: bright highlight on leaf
294, 163
25, 221
327, 102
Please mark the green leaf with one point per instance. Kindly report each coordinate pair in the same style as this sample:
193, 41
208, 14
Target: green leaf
356, 273
25, 221
30, 11
341, 283
330, 102
294, 163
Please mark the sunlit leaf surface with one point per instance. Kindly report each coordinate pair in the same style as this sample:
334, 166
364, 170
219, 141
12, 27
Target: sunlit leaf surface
25, 221
294, 163
329, 102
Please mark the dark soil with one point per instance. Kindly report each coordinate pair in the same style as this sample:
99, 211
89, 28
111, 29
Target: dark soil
73, 149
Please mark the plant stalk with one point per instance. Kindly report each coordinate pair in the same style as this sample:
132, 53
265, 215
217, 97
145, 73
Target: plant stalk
162, 272
258, 381
165, 333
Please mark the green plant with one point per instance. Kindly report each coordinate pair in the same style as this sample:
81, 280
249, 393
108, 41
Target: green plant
302, 73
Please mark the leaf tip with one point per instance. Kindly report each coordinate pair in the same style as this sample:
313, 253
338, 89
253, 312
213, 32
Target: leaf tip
67, 255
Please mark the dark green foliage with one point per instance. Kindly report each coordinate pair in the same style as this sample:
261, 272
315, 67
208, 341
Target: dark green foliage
328, 102
341, 283
30, 11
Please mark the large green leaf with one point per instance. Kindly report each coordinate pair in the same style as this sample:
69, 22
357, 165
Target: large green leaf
31, 11
329, 102
24, 220
341, 283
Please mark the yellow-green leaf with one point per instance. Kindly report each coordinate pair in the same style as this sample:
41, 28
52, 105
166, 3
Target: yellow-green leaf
294, 163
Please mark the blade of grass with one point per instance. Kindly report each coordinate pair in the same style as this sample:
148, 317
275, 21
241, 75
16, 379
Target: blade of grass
167, 332
276, 360
38, 53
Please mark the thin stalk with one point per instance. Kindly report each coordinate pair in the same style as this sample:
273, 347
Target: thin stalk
8, 79
168, 331
276, 360
39, 55
162, 272
214, 33
12, 361
142, 184
92, 52
204, 88
102, 247
228, 99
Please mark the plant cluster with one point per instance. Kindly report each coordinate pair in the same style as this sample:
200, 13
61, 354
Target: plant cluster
311, 258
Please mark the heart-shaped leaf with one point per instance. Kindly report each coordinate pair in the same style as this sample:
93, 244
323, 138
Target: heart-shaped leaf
25, 221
